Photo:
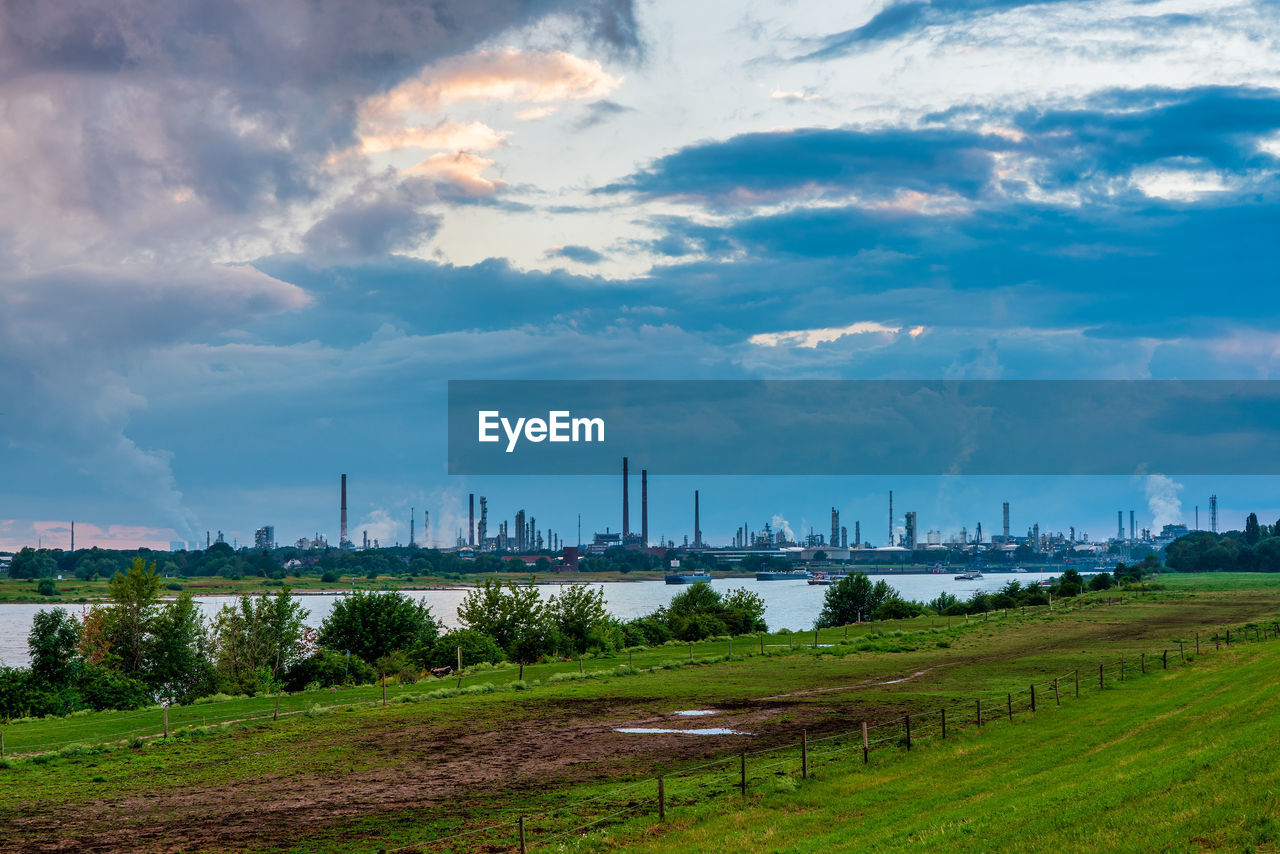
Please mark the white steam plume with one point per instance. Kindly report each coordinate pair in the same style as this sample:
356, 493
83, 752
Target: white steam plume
1163, 501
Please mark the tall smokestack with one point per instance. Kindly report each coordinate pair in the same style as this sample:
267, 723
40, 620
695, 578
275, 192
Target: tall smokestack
342, 528
891, 517
1131, 524
835, 528
1006, 521
697, 530
73, 536
857, 534
471, 519
1119, 524
644, 507
626, 508
412, 520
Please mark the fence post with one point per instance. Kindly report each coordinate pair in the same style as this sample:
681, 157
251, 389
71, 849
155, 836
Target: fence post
791, 640
1144, 663
979, 701
1033, 696
1122, 668
275, 716
730, 647
384, 689
459, 667
1057, 700
662, 801
522, 835
944, 724
804, 754
1077, 675
1197, 644
522, 666
1099, 676
742, 784
866, 747
815, 638
1164, 660
629, 654
846, 632
1182, 653
1228, 637
580, 658
1010, 707
166, 721
762, 643
908, 722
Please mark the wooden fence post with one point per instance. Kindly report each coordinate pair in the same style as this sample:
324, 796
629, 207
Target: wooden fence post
804, 754
866, 748
580, 658
384, 689
522, 851
662, 801
742, 784
1164, 660
1122, 668
762, 643
1144, 664
815, 638
944, 724
166, 721
629, 654
1033, 696
1077, 676
1197, 644
1010, 707
275, 716
1099, 676
979, 701
791, 640
459, 668
1057, 700
522, 666
1182, 653
907, 719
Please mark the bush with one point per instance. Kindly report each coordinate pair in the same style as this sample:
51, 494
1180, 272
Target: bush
47, 587
895, 608
477, 648
330, 577
328, 668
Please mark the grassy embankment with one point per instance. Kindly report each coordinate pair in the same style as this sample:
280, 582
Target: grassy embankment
376, 777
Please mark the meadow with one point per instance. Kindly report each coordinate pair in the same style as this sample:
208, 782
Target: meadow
343, 772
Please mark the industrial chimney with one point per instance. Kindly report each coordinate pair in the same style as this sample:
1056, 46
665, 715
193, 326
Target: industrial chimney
342, 528
471, 519
644, 507
1006, 521
626, 524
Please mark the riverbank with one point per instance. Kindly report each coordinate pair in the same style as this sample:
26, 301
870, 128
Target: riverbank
349, 774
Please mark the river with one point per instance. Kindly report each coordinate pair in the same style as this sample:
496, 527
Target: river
788, 604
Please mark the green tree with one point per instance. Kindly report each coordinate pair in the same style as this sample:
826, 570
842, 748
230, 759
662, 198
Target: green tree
375, 624
577, 614
477, 648
1252, 533
133, 595
851, 599
258, 638
47, 587
29, 563
178, 666
52, 643
744, 611
513, 615
1101, 581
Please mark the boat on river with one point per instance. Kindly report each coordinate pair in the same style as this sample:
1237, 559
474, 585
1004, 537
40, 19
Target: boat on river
969, 575
782, 575
688, 576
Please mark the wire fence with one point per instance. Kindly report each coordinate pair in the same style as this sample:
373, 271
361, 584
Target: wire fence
738, 774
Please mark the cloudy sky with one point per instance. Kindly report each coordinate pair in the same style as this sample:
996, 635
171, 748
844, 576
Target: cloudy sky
243, 246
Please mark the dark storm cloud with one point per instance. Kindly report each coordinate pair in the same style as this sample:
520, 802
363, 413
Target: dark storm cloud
581, 254
1080, 147
897, 20
599, 112
766, 166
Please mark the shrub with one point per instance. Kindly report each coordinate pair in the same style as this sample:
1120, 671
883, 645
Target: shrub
47, 587
329, 577
477, 648
328, 668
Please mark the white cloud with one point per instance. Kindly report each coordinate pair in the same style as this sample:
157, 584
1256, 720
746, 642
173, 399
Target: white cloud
810, 338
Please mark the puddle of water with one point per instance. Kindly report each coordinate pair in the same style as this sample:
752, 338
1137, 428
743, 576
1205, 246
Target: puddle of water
694, 713
662, 730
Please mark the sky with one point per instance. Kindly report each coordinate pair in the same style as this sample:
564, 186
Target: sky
243, 247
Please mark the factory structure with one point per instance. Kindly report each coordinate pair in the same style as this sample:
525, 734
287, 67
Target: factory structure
521, 537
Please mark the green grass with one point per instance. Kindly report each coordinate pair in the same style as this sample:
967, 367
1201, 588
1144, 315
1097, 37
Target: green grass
1177, 761
354, 776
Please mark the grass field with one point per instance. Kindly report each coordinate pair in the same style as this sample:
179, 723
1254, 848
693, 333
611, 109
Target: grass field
353, 775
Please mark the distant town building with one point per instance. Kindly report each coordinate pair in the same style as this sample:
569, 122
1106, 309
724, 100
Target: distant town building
265, 537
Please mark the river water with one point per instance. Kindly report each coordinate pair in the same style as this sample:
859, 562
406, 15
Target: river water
788, 604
